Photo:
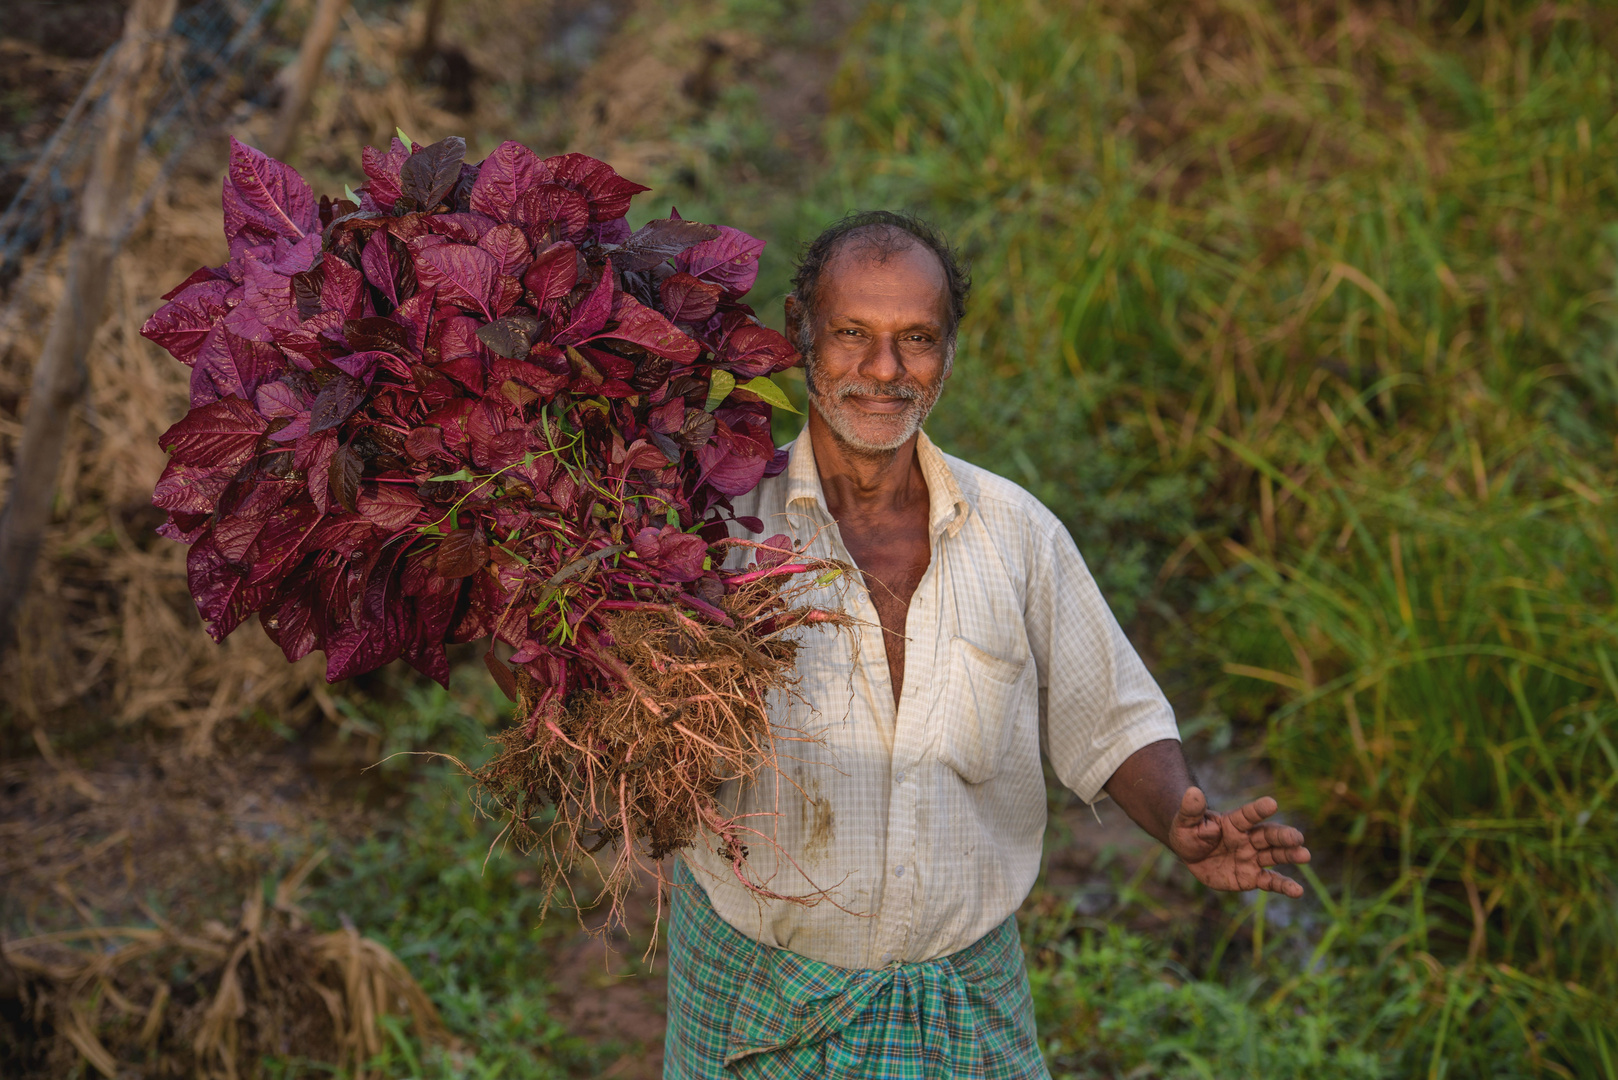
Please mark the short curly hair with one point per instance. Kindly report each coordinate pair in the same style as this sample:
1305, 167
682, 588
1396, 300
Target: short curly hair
888, 232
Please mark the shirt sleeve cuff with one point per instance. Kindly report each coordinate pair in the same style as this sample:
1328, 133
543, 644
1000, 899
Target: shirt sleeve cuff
1089, 784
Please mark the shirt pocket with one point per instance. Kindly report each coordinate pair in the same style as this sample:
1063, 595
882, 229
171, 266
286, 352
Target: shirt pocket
976, 713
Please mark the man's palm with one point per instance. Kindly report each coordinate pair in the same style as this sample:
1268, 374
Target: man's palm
1235, 851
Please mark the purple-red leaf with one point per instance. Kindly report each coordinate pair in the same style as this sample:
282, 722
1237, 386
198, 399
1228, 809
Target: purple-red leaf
730, 261
553, 212
335, 402
637, 323
388, 506
554, 272
607, 192
660, 240
221, 433
461, 273
382, 172
192, 489
688, 299
462, 553
427, 175
503, 178
265, 198
508, 245
181, 324
510, 336
589, 315
344, 477
676, 555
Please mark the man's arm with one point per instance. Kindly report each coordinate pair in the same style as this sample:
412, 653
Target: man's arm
1233, 851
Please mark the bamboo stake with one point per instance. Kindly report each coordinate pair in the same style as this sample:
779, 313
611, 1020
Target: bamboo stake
305, 73
61, 374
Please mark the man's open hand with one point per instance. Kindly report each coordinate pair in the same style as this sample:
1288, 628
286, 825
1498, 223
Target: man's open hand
1235, 851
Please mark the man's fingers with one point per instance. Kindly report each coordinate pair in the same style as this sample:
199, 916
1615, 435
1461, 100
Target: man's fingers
1270, 881
1246, 817
1283, 856
1276, 836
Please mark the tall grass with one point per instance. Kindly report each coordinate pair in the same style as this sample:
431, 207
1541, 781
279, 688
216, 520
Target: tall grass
1298, 315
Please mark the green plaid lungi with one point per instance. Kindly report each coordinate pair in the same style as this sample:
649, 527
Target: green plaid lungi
741, 1009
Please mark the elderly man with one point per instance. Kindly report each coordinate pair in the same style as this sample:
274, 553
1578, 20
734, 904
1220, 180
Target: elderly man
911, 800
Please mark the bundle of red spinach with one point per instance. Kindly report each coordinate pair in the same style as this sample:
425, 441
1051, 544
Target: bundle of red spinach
469, 402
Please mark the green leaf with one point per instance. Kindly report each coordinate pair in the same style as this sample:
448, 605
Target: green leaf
399, 131
459, 474
719, 388
768, 389
348, 193
673, 517
829, 576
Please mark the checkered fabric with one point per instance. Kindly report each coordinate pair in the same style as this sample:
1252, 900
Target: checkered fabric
922, 823
740, 1009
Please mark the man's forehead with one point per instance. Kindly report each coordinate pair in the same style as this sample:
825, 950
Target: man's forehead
908, 257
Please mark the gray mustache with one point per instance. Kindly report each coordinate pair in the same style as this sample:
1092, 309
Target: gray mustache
875, 389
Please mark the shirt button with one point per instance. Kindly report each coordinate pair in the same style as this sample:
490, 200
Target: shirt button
899, 777
887, 958
898, 871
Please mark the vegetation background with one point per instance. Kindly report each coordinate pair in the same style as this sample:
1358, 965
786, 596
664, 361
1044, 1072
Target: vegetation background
1300, 314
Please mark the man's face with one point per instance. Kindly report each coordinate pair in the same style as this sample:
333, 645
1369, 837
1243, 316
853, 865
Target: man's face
880, 355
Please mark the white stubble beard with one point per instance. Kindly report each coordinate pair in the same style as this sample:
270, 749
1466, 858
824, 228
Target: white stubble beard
829, 402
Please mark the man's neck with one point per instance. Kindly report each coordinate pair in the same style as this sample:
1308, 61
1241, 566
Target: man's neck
860, 482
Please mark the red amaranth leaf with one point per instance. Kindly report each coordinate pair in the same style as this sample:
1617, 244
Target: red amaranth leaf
688, 299
553, 212
192, 489
607, 192
462, 553
427, 175
509, 247
221, 433
554, 272
461, 274
635, 322
264, 198
503, 177
382, 172
589, 316
335, 402
343, 474
219, 587
388, 506
660, 240
750, 350
730, 261
181, 324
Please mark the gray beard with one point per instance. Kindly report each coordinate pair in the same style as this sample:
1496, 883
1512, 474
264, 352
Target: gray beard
830, 401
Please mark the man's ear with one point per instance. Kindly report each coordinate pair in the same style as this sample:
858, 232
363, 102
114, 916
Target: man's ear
794, 318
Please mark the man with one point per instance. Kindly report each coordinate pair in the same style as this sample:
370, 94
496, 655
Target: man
911, 800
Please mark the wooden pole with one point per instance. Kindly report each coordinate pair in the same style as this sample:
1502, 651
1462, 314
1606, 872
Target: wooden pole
429, 33
61, 374
305, 74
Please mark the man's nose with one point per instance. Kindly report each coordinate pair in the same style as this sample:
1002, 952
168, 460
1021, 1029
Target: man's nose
882, 361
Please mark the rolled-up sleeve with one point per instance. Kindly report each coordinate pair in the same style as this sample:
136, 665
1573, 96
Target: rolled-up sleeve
1098, 703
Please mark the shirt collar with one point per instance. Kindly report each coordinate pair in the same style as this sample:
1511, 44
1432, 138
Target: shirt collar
947, 507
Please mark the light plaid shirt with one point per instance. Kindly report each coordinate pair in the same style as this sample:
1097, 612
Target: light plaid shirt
923, 824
